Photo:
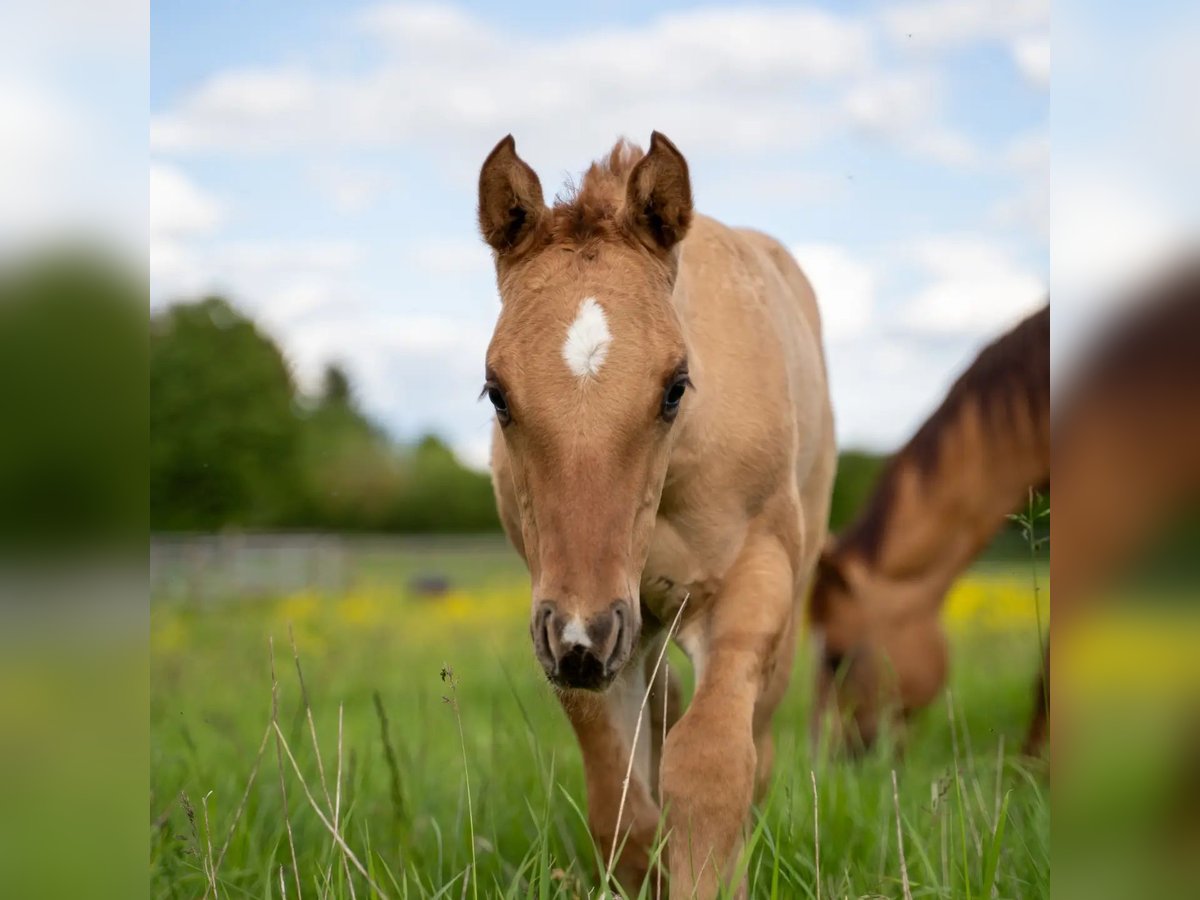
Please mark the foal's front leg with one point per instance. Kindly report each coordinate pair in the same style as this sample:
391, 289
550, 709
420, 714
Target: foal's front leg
604, 725
710, 759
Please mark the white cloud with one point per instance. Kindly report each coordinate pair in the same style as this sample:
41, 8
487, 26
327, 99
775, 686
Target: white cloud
904, 109
973, 288
64, 169
1029, 153
1026, 156
743, 80
935, 24
915, 380
114, 30
42, 135
1031, 52
178, 206
845, 288
451, 257
350, 189
1108, 231
279, 280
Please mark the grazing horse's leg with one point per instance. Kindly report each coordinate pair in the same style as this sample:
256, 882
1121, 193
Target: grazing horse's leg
1035, 741
709, 762
604, 725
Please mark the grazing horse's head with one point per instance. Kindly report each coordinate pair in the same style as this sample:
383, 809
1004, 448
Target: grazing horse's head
587, 371
882, 652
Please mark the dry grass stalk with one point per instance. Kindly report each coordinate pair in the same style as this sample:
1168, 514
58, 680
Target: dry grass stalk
812, 775
612, 854
241, 808
312, 731
320, 815
337, 794
666, 712
208, 860
389, 756
205, 862
279, 758
900, 840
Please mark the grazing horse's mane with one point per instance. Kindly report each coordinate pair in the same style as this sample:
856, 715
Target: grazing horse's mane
1009, 377
592, 208
1150, 352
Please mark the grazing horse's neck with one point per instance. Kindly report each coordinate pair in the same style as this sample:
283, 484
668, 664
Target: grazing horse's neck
941, 519
944, 496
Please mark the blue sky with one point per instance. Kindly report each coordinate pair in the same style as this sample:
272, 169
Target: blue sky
317, 162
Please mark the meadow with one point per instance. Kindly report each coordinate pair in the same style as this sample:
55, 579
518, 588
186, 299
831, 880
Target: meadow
421, 731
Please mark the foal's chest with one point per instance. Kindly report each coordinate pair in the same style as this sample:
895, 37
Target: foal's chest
682, 566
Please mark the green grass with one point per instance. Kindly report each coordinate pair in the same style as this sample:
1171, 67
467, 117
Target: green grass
404, 809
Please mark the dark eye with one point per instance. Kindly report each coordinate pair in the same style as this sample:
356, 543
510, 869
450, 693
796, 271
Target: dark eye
497, 398
672, 395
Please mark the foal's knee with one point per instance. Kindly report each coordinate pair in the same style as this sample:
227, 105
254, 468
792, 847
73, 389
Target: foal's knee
707, 789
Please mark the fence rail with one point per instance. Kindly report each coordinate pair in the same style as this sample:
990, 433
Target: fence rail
210, 567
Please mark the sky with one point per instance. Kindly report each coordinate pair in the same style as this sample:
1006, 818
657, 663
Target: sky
318, 164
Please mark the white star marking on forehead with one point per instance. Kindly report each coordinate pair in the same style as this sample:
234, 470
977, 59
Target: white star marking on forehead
587, 340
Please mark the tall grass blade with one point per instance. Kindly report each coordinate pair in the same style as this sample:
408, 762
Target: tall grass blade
992, 860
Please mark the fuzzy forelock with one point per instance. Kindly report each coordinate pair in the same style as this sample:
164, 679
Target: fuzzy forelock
592, 208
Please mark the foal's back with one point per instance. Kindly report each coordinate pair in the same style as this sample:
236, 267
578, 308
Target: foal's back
754, 323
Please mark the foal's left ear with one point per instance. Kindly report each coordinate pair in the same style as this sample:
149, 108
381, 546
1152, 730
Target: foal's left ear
658, 196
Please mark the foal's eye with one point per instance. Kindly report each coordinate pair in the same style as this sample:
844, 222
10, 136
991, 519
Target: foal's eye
672, 395
498, 400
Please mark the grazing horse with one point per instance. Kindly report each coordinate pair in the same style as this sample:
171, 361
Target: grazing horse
879, 587
663, 448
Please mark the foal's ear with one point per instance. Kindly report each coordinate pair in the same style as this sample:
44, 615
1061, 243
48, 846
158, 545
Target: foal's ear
658, 196
511, 207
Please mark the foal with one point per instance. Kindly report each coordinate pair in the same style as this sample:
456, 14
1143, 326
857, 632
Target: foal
663, 446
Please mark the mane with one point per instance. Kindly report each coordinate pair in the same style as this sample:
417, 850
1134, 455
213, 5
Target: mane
591, 209
1009, 378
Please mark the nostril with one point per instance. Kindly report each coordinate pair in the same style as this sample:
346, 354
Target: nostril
547, 619
617, 653
540, 630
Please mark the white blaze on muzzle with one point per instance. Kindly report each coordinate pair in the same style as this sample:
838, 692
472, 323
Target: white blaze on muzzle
575, 633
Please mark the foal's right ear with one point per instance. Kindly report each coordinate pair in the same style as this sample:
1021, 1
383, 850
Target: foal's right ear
511, 207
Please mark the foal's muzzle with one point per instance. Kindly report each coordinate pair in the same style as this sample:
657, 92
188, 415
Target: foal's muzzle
583, 653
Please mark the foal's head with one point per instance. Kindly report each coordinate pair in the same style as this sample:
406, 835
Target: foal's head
587, 371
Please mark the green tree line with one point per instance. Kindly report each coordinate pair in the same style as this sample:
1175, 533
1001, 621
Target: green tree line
235, 443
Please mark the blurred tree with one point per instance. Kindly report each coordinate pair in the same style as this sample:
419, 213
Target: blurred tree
856, 476
72, 401
440, 494
351, 471
224, 430
335, 387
